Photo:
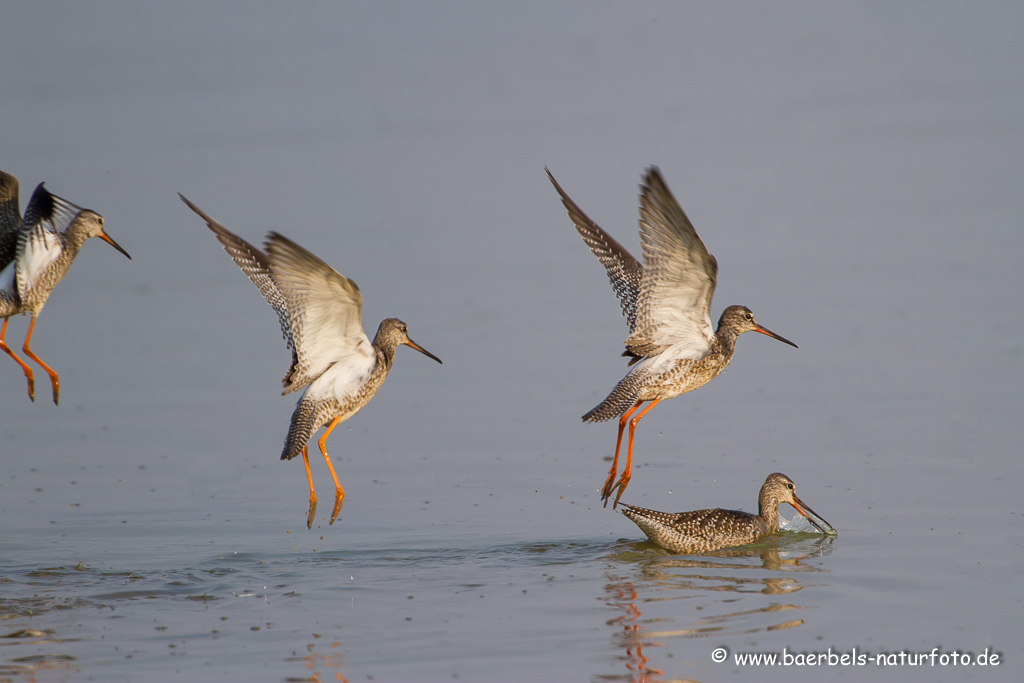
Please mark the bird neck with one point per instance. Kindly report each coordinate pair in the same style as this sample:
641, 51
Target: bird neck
74, 237
768, 510
385, 351
725, 338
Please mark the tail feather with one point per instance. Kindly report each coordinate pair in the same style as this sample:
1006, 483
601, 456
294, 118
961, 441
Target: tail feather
625, 394
305, 421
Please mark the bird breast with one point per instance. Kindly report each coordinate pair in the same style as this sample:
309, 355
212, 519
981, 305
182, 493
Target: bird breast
34, 282
668, 376
346, 379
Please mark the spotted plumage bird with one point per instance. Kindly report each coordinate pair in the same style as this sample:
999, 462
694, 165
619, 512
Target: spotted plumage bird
35, 254
667, 304
704, 530
333, 361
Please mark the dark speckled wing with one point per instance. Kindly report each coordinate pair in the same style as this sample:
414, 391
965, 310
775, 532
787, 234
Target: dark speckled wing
624, 272
256, 266
47, 217
10, 218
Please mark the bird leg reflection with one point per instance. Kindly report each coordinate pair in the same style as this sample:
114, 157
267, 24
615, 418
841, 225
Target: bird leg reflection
627, 473
23, 364
54, 377
625, 598
606, 490
339, 493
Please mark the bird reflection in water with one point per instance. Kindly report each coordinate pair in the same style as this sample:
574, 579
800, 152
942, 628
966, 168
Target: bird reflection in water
315, 662
623, 597
646, 597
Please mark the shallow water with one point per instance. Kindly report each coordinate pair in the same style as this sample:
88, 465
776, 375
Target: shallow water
855, 170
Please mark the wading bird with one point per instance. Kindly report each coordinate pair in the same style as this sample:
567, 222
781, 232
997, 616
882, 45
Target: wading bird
667, 304
320, 311
704, 530
35, 254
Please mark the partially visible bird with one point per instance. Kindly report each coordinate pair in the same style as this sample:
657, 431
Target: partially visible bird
35, 254
320, 311
704, 530
667, 304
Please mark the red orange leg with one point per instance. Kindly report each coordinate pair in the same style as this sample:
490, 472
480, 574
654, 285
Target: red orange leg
627, 473
606, 490
339, 493
23, 364
54, 377
312, 491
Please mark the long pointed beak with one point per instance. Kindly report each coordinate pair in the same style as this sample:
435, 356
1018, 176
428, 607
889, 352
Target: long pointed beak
106, 238
762, 330
422, 350
813, 517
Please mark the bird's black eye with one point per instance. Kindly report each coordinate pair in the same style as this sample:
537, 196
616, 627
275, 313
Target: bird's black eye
404, 328
790, 486
748, 316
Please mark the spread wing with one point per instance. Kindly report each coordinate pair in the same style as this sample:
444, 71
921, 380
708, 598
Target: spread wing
624, 272
255, 265
674, 308
10, 218
39, 240
324, 306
